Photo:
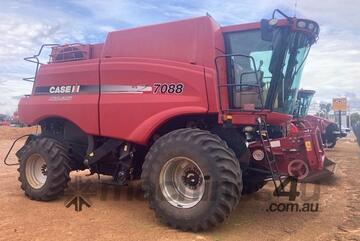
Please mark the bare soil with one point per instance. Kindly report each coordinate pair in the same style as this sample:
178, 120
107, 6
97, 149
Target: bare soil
120, 213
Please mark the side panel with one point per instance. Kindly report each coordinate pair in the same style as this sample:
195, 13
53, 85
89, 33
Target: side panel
68, 90
136, 96
212, 90
186, 41
319, 122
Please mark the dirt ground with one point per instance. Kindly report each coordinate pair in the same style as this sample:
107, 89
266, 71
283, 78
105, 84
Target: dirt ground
120, 213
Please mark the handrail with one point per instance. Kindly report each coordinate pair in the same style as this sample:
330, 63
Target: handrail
35, 59
258, 85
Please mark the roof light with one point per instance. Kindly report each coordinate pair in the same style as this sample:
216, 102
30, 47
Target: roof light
311, 26
273, 22
301, 24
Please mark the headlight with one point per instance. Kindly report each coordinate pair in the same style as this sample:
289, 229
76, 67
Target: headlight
273, 22
248, 129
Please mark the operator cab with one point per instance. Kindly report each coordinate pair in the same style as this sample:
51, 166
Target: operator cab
303, 102
264, 63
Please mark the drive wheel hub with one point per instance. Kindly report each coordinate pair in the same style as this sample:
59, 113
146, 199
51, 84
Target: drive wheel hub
182, 182
36, 171
192, 178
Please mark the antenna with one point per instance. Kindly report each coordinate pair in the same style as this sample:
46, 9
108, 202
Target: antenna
295, 6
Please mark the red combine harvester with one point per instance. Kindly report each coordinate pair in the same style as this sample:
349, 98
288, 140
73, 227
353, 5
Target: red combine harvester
330, 131
170, 104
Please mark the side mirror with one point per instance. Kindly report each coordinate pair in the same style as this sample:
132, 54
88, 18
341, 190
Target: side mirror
266, 30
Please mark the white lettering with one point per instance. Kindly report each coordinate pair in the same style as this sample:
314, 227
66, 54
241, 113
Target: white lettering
68, 89
64, 89
52, 90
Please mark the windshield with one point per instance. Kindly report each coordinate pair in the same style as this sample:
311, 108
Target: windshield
279, 66
303, 103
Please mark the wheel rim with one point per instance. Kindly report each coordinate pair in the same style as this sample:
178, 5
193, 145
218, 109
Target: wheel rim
36, 171
298, 168
182, 182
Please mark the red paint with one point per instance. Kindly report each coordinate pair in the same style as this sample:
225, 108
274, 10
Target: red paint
177, 52
318, 122
293, 147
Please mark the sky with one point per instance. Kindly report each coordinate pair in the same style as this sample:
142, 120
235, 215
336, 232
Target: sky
332, 67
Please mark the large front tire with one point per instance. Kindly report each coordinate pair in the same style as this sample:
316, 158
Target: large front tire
330, 142
44, 169
192, 179
329, 137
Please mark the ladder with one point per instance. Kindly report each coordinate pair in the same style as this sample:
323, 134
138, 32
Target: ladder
270, 157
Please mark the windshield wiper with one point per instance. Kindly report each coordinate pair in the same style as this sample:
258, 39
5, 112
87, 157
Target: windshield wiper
290, 69
280, 45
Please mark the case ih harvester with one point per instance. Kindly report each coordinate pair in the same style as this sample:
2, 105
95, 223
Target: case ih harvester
330, 131
173, 104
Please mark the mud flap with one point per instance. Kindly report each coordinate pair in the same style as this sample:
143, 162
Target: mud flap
328, 170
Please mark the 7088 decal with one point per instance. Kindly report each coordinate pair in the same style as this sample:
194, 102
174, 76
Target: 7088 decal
177, 88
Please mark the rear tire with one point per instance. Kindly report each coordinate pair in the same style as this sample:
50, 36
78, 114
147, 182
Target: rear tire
216, 172
44, 169
330, 143
329, 137
237, 143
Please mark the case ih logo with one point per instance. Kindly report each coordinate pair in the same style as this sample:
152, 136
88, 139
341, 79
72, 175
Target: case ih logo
111, 89
61, 89
64, 89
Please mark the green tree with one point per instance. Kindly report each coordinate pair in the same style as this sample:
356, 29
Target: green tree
354, 118
325, 109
